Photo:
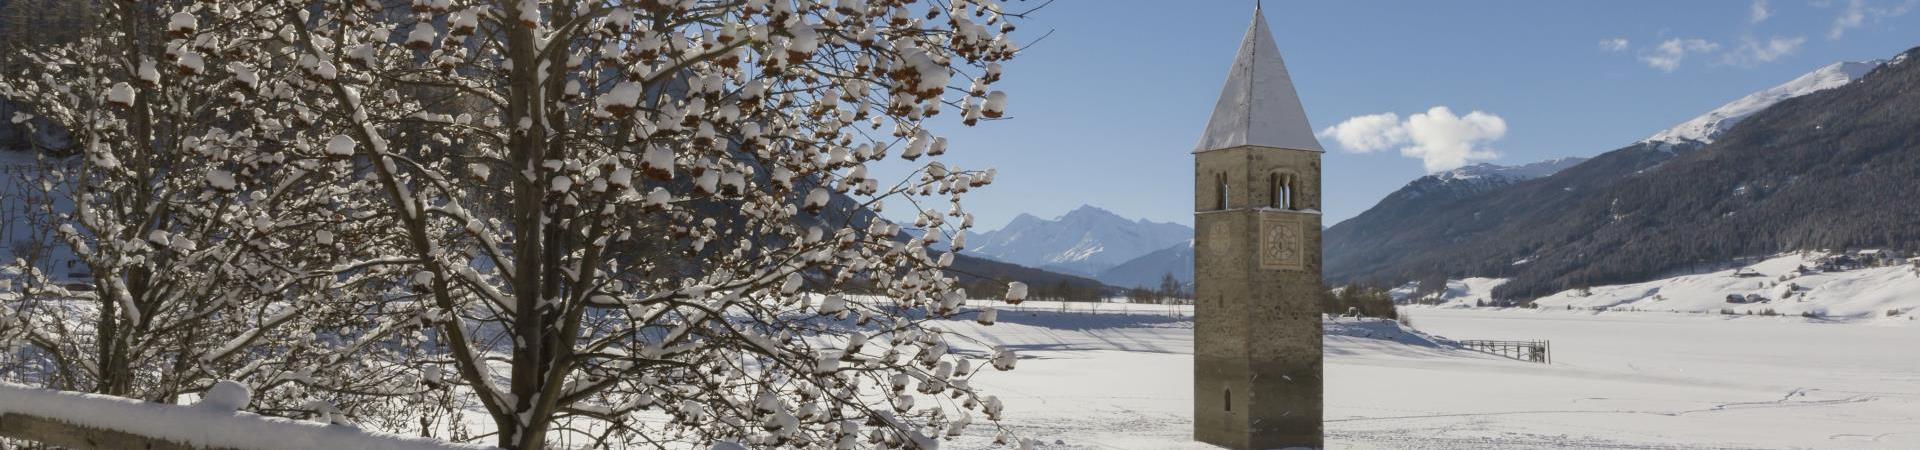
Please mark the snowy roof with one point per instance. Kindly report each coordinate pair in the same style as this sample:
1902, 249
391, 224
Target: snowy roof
1258, 105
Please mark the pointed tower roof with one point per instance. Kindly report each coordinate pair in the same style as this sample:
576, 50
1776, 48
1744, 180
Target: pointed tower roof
1258, 106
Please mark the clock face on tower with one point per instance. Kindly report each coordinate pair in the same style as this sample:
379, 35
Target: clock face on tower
1281, 246
1220, 238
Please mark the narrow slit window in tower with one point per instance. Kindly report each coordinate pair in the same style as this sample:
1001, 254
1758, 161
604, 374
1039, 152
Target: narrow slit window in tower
1273, 191
1220, 187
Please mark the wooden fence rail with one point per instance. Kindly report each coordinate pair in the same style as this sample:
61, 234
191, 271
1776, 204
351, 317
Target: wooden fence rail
1530, 351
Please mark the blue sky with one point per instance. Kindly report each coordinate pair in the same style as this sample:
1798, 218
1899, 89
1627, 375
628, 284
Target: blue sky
1107, 106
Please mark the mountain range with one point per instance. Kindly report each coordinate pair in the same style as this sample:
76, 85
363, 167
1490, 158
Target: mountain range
1810, 164
1147, 270
1086, 241
1800, 165
1472, 180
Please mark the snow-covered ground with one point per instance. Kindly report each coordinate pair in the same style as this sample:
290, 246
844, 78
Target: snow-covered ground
1782, 284
1119, 376
212, 423
1459, 293
1778, 282
1122, 379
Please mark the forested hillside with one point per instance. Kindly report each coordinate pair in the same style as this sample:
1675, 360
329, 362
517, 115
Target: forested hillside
1811, 172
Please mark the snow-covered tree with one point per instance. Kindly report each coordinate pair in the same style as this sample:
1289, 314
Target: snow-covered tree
613, 208
188, 220
572, 214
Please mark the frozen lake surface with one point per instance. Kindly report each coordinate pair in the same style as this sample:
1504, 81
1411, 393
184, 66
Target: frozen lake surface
1619, 380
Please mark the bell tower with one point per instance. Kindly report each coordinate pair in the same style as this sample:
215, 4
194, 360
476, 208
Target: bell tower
1257, 285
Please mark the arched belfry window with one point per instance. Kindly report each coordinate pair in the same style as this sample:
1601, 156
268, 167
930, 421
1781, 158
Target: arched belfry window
1283, 190
1220, 191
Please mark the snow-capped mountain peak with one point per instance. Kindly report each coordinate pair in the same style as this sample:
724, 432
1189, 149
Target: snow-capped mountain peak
1706, 127
1088, 213
1085, 240
1477, 178
1520, 172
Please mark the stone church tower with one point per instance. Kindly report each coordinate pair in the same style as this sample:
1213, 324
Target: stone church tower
1256, 198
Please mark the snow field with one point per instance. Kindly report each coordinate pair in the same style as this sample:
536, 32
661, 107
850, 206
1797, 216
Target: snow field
1858, 294
1119, 376
1620, 380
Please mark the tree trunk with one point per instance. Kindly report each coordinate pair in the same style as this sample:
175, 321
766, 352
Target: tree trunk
525, 430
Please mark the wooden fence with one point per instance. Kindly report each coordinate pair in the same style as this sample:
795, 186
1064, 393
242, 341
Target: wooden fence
1530, 351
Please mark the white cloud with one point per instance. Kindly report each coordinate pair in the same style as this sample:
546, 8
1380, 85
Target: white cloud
1852, 17
1444, 141
1753, 52
1613, 44
1667, 56
1759, 12
1369, 133
1440, 139
1858, 13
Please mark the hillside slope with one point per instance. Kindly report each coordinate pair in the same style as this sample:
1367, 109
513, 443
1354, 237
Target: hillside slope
1859, 285
1147, 270
1810, 172
1706, 127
